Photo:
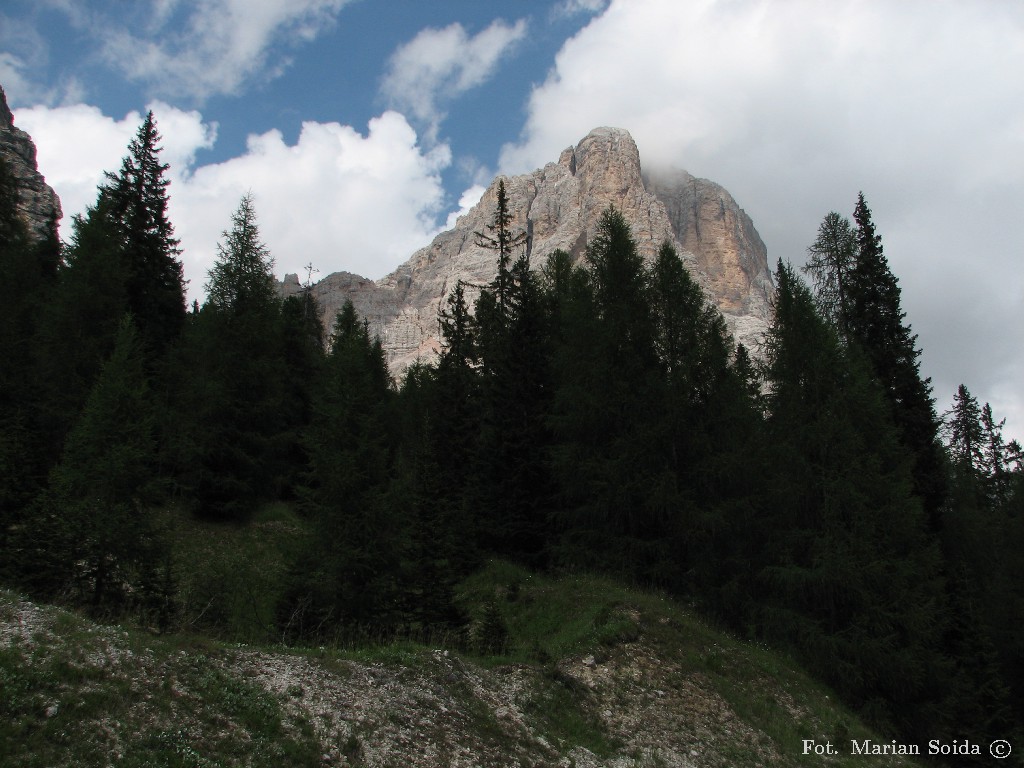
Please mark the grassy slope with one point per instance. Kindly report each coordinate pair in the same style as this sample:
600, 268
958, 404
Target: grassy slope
592, 673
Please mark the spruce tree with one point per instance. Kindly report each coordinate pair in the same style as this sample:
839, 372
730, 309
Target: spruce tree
350, 575
510, 336
452, 425
605, 405
231, 392
876, 323
155, 285
502, 241
21, 465
122, 259
92, 538
847, 573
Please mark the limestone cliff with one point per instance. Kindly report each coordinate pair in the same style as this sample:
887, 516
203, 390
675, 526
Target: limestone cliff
38, 203
559, 206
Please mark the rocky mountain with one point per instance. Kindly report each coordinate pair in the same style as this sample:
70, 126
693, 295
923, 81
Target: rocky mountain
559, 206
39, 204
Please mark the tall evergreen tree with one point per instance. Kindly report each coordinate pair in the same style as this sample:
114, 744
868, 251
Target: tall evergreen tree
231, 392
350, 574
504, 242
510, 336
982, 537
29, 265
876, 323
831, 261
122, 259
848, 575
155, 285
92, 539
604, 408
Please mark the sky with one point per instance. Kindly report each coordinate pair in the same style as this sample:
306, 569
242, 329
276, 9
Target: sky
363, 127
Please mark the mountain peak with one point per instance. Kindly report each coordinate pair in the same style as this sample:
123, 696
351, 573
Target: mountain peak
559, 206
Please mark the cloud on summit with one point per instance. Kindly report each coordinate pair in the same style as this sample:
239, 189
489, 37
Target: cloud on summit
797, 106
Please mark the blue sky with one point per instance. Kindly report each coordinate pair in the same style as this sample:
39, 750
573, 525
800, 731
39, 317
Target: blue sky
362, 126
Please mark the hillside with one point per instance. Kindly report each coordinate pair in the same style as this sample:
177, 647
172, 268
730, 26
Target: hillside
593, 675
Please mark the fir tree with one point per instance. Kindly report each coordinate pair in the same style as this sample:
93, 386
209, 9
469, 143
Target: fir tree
504, 242
122, 259
30, 266
605, 405
510, 339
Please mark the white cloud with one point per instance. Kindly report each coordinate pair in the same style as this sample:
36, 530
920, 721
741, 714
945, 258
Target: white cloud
468, 199
796, 106
200, 48
438, 65
568, 8
336, 198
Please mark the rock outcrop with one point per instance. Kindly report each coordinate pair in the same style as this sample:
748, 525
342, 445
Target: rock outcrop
559, 207
38, 203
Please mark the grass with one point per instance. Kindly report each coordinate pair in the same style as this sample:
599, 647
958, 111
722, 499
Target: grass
570, 616
230, 576
550, 618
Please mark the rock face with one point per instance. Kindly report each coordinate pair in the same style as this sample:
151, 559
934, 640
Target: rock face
38, 203
559, 207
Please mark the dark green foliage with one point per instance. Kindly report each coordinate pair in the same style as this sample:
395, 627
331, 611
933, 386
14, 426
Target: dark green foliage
492, 631
983, 531
876, 324
848, 575
429, 483
605, 402
237, 402
504, 242
593, 416
349, 575
91, 539
122, 259
831, 259
154, 284
30, 267
510, 336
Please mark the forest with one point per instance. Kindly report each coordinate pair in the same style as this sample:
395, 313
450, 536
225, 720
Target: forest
583, 417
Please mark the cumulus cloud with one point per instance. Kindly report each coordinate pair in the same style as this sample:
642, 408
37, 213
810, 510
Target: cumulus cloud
438, 65
200, 48
337, 198
796, 106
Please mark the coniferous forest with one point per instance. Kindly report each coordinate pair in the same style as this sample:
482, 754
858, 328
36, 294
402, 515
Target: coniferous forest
590, 416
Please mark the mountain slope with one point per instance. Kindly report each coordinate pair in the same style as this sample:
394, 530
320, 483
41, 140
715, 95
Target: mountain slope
593, 675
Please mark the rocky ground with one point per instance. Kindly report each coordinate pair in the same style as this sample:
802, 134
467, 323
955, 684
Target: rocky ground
79, 693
